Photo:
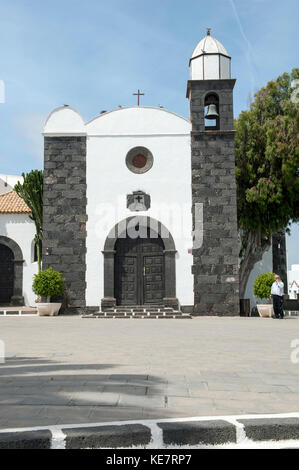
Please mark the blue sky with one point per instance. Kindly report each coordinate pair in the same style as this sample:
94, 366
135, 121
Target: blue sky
93, 55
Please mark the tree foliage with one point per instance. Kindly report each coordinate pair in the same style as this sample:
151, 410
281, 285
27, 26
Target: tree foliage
267, 162
31, 191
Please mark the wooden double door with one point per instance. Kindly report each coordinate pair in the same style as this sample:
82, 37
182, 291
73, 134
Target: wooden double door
6, 274
139, 272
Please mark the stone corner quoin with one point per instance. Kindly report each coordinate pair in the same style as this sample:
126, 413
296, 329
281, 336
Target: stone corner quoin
65, 217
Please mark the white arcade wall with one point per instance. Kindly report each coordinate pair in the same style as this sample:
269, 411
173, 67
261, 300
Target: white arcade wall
21, 230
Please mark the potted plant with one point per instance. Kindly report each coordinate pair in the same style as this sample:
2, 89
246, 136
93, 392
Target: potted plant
262, 290
48, 283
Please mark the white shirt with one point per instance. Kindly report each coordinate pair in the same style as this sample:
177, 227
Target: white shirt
277, 288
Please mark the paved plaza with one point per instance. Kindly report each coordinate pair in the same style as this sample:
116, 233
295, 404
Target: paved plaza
73, 370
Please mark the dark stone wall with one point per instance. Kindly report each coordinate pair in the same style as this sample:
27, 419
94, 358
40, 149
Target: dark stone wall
279, 257
64, 229
215, 264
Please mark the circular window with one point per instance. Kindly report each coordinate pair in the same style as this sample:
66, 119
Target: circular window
139, 160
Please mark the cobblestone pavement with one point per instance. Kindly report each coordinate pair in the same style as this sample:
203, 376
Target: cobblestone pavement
74, 370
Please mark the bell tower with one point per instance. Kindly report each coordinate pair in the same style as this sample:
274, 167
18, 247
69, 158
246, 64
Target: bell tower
214, 207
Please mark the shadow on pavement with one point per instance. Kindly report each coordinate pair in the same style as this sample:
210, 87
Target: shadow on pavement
41, 391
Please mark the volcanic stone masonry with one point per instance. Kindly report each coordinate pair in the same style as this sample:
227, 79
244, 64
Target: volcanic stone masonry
64, 235
215, 264
279, 257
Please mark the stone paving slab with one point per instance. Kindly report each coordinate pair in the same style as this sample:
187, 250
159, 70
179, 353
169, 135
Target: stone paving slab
28, 440
127, 435
259, 429
71, 370
195, 432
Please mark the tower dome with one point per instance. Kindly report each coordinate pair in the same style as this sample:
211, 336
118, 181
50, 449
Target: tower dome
210, 60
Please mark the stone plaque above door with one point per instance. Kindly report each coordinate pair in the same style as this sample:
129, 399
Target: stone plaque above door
138, 201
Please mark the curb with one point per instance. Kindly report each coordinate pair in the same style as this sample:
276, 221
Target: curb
203, 432
18, 312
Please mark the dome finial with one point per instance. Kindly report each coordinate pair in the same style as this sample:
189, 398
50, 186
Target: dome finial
208, 31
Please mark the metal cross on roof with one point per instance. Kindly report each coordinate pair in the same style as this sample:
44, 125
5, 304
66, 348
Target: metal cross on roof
138, 94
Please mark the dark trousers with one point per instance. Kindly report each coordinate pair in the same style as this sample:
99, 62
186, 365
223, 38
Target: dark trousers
278, 306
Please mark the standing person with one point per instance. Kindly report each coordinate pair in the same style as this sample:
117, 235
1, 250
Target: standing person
277, 295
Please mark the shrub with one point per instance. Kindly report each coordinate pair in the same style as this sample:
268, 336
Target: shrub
48, 283
262, 285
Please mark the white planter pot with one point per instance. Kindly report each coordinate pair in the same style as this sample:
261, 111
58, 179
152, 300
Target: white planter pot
265, 310
48, 309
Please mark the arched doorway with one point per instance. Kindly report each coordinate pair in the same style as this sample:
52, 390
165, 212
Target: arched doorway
139, 270
11, 272
6, 274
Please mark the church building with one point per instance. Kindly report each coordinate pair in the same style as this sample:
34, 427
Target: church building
139, 206
140, 203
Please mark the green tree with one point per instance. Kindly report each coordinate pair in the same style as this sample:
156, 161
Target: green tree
267, 162
31, 191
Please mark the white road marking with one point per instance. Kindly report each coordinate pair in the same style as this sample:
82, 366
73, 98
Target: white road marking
58, 439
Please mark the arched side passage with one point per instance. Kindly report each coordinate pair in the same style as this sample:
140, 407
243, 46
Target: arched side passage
119, 231
17, 298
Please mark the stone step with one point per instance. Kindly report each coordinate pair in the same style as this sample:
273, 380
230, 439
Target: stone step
139, 306
141, 312
137, 315
140, 309
131, 307
134, 314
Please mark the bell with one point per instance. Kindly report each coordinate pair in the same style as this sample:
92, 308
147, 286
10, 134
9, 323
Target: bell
212, 112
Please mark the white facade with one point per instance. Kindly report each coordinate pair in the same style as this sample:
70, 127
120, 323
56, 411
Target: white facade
20, 229
4, 186
7, 182
293, 282
110, 137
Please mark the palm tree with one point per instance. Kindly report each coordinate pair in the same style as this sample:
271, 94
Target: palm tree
31, 191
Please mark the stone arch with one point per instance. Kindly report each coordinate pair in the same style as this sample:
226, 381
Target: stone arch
212, 97
211, 93
158, 229
17, 298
